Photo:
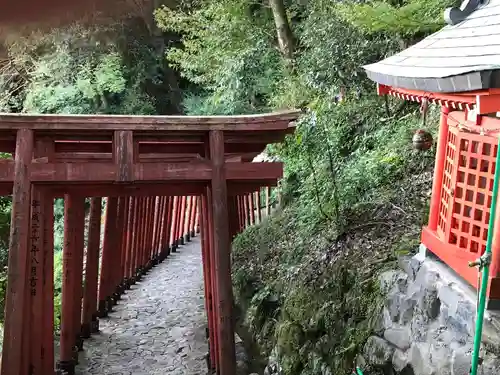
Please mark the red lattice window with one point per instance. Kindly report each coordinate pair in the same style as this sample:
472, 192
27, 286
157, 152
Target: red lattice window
447, 188
471, 173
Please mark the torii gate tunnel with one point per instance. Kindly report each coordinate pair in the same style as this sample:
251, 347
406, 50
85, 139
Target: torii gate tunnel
163, 177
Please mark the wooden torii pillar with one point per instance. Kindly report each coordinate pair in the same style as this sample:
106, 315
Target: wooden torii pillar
18, 255
222, 250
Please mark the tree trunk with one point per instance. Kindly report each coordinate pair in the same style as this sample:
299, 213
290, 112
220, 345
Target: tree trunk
168, 90
285, 36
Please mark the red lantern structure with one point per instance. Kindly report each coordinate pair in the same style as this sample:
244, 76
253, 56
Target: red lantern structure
457, 68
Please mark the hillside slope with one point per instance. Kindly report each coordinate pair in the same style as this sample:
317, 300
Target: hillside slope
355, 193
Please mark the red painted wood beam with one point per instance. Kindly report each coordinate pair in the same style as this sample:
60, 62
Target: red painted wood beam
233, 217
178, 220
36, 280
37, 346
137, 189
139, 233
146, 226
107, 158
252, 208
148, 223
246, 217
123, 155
93, 172
209, 229
125, 243
105, 283
168, 229
182, 220
192, 216
150, 228
144, 236
72, 253
259, 208
15, 319
158, 228
207, 276
152, 205
119, 248
240, 145
243, 212
213, 274
189, 207
128, 242
187, 217
48, 364
196, 225
166, 232
278, 121
90, 323
175, 214
227, 356
135, 239
141, 230
43, 314
78, 211
163, 224
164, 218
238, 210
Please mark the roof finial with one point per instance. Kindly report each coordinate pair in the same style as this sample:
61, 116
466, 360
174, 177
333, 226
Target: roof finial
453, 16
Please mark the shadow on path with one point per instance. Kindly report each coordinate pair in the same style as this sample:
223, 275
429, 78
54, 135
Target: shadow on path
159, 325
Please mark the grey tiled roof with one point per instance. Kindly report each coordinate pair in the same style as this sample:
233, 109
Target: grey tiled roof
460, 57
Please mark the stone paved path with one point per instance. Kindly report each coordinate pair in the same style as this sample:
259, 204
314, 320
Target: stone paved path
158, 327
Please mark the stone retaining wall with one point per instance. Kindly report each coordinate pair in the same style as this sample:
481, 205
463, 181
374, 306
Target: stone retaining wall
427, 324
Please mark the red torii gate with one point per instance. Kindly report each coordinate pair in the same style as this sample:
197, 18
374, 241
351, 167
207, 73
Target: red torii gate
156, 172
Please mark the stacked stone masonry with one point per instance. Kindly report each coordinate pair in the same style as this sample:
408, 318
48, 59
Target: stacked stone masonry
426, 326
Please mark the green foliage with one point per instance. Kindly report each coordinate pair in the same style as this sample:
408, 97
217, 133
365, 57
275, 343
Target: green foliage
5, 210
58, 224
406, 18
354, 190
227, 48
333, 51
75, 70
316, 260
58, 263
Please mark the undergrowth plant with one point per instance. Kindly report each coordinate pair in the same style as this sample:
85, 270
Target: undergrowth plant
354, 193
